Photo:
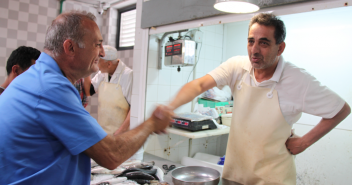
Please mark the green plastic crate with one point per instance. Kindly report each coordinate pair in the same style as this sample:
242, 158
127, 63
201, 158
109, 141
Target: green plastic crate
211, 104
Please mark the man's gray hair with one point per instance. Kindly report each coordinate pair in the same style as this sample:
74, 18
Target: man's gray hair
69, 26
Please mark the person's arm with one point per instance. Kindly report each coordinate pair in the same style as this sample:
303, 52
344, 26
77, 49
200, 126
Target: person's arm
125, 125
191, 90
86, 85
297, 145
111, 151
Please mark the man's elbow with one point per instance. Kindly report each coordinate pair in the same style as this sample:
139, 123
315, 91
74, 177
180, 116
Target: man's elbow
343, 113
113, 163
347, 109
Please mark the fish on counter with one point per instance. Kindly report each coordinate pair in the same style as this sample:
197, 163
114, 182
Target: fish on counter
128, 173
102, 170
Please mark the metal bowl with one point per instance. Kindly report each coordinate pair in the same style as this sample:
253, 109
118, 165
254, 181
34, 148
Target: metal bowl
195, 175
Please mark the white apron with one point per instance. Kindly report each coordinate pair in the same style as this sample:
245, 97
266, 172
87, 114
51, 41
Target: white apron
113, 107
256, 153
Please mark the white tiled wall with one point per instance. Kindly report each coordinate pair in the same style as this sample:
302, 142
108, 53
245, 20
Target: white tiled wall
162, 86
23, 23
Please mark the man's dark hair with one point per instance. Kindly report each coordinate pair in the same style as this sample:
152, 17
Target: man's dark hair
268, 19
23, 57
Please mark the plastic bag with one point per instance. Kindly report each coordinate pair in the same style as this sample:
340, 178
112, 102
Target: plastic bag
207, 111
217, 94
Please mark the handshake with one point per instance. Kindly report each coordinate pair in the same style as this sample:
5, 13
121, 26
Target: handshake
160, 119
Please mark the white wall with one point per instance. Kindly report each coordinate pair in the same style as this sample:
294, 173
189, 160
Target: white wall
318, 41
162, 86
23, 23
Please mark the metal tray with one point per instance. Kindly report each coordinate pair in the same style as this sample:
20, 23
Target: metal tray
195, 175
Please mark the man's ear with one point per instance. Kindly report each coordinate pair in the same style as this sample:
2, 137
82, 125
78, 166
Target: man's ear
69, 47
109, 64
16, 70
282, 46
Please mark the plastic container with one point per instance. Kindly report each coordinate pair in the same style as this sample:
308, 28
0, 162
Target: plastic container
226, 119
212, 104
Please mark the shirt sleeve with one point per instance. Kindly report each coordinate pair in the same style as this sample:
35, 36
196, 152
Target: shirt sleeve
321, 101
227, 72
61, 113
97, 79
129, 87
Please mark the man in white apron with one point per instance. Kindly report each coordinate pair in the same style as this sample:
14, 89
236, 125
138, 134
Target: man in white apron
270, 95
114, 84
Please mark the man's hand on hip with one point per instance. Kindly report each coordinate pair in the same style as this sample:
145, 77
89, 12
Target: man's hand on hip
295, 145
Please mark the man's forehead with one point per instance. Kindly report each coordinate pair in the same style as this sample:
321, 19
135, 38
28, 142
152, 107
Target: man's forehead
261, 31
92, 31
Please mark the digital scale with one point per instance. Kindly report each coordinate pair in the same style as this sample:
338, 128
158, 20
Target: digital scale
193, 122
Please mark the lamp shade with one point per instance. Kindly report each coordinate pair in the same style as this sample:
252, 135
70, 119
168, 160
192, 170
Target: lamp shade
236, 6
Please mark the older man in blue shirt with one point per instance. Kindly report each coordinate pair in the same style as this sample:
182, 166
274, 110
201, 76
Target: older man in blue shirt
47, 137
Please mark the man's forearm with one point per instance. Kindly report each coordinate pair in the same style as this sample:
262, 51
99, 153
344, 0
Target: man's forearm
325, 126
191, 90
129, 142
112, 150
297, 145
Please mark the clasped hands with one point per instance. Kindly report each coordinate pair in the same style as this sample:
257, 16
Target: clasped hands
161, 117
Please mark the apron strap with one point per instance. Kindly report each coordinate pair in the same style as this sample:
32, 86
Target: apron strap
121, 75
239, 86
270, 94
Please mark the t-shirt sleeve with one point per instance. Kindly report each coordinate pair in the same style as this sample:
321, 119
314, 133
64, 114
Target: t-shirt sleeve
225, 73
61, 113
321, 101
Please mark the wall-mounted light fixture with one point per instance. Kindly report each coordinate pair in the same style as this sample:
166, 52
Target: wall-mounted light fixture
236, 6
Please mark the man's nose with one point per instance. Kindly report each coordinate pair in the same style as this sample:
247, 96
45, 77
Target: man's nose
255, 48
101, 51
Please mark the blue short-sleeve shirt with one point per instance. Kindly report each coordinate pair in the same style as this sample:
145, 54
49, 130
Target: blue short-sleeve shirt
45, 129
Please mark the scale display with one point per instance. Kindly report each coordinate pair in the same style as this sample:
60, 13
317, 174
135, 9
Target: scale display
169, 50
175, 49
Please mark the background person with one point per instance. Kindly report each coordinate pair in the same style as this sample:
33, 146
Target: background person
114, 84
18, 62
47, 137
83, 87
270, 95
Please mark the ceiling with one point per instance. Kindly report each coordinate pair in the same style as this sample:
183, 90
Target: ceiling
96, 2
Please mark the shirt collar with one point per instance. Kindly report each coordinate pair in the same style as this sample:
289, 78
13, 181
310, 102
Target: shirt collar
118, 70
119, 67
278, 71
48, 60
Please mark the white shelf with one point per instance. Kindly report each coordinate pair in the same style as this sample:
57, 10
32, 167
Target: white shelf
199, 134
